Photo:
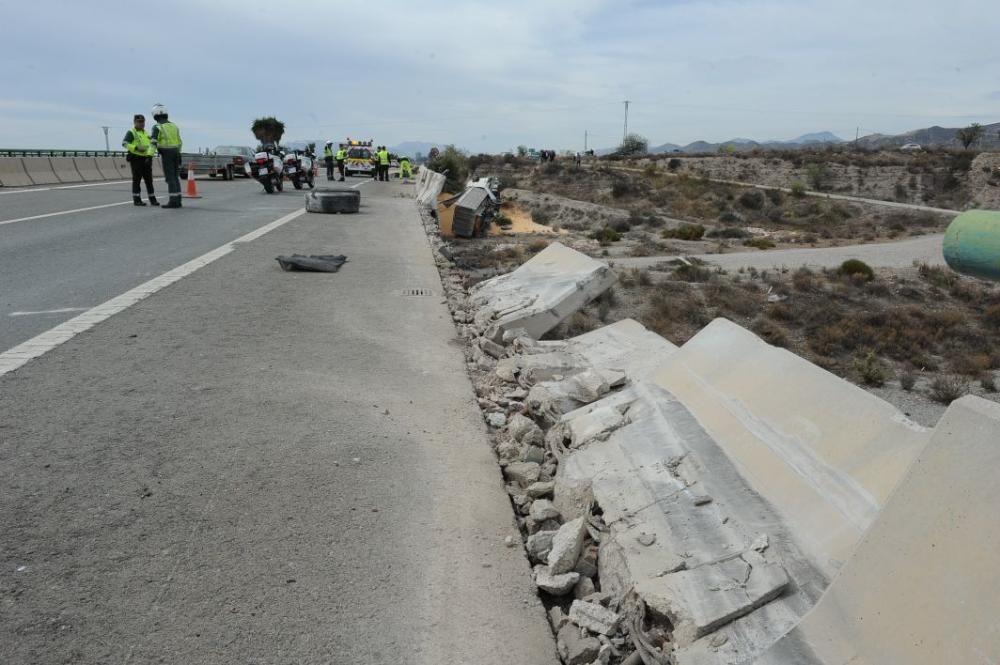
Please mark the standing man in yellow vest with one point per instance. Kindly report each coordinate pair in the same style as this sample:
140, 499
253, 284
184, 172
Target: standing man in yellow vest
328, 159
341, 161
383, 164
166, 139
140, 158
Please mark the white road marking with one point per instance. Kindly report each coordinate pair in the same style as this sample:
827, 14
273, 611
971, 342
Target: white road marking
49, 189
63, 212
51, 311
50, 339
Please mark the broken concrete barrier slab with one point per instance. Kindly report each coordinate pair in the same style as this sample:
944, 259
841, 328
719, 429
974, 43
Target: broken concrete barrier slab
594, 617
626, 347
825, 453
522, 473
556, 584
541, 293
576, 648
647, 469
566, 545
699, 601
923, 586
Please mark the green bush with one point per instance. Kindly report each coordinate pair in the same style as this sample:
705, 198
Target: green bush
752, 199
871, 369
759, 243
852, 267
776, 195
456, 163
606, 235
620, 188
685, 232
946, 389
674, 164
798, 189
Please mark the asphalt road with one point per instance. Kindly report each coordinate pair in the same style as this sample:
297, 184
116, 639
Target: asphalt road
900, 254
52, 268
251, 466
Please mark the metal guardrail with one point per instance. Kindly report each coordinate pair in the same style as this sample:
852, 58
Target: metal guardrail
21, 152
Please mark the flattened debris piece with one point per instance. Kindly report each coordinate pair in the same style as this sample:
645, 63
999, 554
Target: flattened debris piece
541, 293
699, 601
557, 585
312, 262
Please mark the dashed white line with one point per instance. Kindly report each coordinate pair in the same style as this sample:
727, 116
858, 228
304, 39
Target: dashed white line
50, 339
63, 212
28, 190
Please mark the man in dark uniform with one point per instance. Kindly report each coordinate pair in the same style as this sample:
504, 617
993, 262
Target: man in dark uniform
140, 158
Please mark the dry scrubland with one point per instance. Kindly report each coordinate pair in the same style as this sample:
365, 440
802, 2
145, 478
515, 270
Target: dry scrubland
919, 337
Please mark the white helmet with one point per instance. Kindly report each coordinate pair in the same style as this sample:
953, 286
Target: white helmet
159, 109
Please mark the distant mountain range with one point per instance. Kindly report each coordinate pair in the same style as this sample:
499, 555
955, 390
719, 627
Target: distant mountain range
744, 144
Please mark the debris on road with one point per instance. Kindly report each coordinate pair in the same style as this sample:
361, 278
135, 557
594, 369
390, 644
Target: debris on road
312, 262
333, 200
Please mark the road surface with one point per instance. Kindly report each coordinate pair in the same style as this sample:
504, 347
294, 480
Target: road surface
247, 465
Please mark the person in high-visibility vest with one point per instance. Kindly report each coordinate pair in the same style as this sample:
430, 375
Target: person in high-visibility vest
140, 158
328, 158
166, 139
405, 171
383, 164
341, 161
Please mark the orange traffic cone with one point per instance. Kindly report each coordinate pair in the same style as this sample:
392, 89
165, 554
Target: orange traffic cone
192, 188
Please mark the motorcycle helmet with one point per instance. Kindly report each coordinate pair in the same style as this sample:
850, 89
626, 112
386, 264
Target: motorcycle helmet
158, 110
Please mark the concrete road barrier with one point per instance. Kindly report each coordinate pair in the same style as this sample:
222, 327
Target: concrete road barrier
87, 166
731, 448
65, 169
40, 171
923, 586
12, 173
123, 169
157, 167
541, 293
106, 167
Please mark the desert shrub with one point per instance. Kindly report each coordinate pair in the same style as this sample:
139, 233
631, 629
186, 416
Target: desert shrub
752, 199
776, 196
690, 272
620, 188
674, 164
798, 189
456, 163
779, 311
621, 225
940, 276
685, 232
907, 380
759, 243
818, 175
730, 217
852, 267
552, 168
536, 246
605, 235
900, 192
541, 214
870, 368
771, 332
946, 389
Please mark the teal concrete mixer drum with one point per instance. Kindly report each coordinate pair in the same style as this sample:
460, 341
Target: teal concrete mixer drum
972, 244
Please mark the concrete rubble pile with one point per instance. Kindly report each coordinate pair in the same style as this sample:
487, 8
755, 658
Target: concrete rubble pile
691, 505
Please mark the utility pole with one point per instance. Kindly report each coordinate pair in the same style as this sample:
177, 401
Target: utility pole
585, 140
107, 146
625, 133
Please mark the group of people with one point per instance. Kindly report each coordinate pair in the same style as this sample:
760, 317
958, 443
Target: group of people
547, 155
141, 148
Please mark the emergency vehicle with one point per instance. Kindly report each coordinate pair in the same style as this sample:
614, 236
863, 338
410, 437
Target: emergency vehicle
360, 157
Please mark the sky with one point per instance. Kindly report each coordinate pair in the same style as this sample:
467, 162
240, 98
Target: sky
488, 76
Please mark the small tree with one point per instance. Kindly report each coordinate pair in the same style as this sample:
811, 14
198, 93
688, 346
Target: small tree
268, 129
522, 151
456, 164
969, 135
633, 144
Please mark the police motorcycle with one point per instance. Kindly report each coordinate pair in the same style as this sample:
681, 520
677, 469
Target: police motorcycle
299, 168
267, 168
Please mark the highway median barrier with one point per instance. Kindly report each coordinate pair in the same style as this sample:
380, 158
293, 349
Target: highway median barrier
65, 169
106, 167
87, 166
12, 173
40, 171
